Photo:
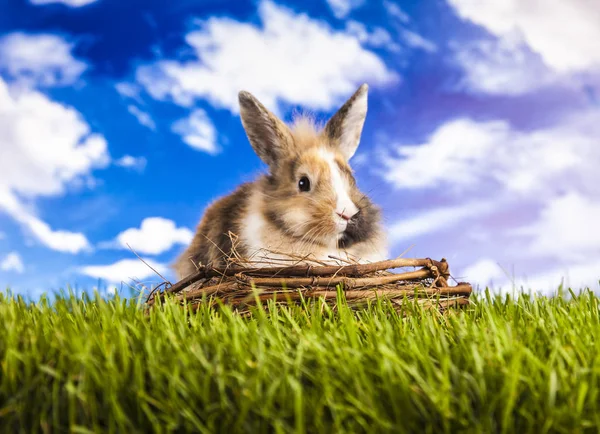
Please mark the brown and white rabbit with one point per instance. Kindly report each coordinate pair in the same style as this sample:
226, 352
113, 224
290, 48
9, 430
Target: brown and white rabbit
308, 204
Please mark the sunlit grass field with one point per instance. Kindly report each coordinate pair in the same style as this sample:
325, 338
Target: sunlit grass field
87, 364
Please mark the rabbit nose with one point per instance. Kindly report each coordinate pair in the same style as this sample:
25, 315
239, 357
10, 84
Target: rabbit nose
344, 216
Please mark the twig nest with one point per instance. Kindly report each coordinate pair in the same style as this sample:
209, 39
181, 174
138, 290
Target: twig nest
243, 285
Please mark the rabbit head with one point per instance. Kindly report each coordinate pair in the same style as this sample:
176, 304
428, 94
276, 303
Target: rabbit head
310, 193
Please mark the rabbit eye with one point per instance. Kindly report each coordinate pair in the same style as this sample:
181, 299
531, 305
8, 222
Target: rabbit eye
304, 184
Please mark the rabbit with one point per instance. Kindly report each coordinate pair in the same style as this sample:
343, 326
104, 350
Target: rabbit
308, 204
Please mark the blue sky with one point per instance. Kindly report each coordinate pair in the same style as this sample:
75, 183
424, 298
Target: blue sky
119, 124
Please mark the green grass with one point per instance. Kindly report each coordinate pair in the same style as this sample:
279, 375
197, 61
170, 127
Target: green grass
504, 365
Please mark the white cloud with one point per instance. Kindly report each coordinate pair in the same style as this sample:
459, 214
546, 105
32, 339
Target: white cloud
464, 155
70, 3
532, 197
395, 11
417, 41
129, 90
381, 38
488, 273
198, 131
564, 33
61, 241
12, 262
136, 163
292, 59
124, 270
143, 117
46, 146
452, 154
577, 275
341, 8
567, 228
155, 235
484, 272
410, 37
500, 67
433, 220
43, 59
378, 37
565, 236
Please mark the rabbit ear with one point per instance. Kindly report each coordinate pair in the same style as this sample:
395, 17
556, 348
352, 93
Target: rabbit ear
345, 127
270, 138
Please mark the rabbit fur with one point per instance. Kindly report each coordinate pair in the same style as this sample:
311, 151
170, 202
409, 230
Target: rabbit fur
307, 205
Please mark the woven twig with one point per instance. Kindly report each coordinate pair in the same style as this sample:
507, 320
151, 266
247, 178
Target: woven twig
244, 282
